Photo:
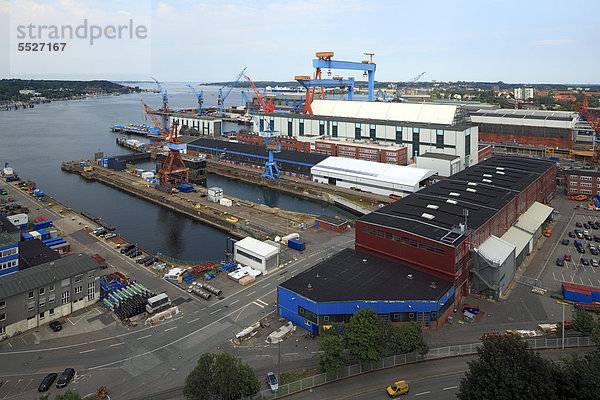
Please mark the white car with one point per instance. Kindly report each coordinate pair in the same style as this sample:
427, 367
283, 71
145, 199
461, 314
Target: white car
109, 235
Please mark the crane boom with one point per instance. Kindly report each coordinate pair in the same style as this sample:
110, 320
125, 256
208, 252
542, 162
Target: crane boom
155, 120
594, 122
264, 106
165, 96
199, 96
221, 97
409, 84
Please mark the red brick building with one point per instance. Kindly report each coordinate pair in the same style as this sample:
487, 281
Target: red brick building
582, 182
485, 151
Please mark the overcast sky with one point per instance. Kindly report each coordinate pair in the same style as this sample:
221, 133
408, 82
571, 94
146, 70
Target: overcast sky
512, 41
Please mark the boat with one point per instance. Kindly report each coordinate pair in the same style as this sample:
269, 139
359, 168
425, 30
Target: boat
245, 119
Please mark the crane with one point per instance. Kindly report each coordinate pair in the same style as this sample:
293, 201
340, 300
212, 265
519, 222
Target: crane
263, 105
409, 84
594, 122
200, 97
159, 128
173, 169
271, 170
221, 98
295, 106
165, 96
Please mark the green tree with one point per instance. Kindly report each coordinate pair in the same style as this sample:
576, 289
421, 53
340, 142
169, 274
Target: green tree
69, 395
363, 337
404, 338
333, 358
506, 368
584, 322
579, 377
220, 376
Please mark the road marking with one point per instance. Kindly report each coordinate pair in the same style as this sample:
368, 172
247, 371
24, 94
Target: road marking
290, 354
170, 329
115, 344
450, 387
264, 302
260, 305
86, 351
216, 311
418, 394
281, 278
294, 271
251, 293
197, 311
233, 302
264, 286
192, 321
144, 337
553, 275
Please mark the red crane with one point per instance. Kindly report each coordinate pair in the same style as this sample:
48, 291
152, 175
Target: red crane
154, 119
264, 106
594, 122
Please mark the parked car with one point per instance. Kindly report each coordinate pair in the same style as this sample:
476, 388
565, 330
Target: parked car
586, 225
66, 376
572, 235
579, 235
136, 253
594, 262
127, 248
588, 237
547, 233
272, 382
99, 231
130, 251
47, 382
578, 224
594, 251
560, 262
585, 261
109, 235
565, 242
55, 326
567, 257
580, 250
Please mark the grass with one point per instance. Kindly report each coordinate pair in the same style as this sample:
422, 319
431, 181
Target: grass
288, 377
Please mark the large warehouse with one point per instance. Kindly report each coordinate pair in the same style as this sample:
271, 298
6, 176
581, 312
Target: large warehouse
372, 177
433, 128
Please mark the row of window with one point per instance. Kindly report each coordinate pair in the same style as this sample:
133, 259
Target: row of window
8, 252
582, 177
8, 264
250, 256
403, 240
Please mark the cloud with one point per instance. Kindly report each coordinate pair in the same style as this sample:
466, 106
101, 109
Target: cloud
164, 9
123, 12
552, 42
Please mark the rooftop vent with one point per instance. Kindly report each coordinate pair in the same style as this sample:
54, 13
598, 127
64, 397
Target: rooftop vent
433, 206
428, 216
454, 194
364, 260
410, 276
487, 180
500, 168
471, 190
432, 285
500, 173
452, 201
487, 175
309, 286
472, 184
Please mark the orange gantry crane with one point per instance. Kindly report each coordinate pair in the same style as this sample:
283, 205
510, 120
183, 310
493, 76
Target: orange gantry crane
594, 122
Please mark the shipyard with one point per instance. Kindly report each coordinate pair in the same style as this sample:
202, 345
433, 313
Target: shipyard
218, 209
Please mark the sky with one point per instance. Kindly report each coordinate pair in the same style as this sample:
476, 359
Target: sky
526, 41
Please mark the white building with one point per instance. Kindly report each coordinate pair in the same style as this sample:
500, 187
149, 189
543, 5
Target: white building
421, 127
527, 93
369, 176
205, 125
443, 164
256, 254
518, 92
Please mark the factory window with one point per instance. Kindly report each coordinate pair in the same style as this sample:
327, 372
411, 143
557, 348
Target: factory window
573, 183
51, 288
309, 315
290, 127
78, 289
395, 316
91, 291
43, 315
42, 302
261, 124
584, 191
51, 298
30, 306
2, 304
415, 142
586, 178
413, 242
272, 123
585, 184
574, 176
434, 316
574, 190
30, 295
65, 282
91, 273
372, 131
301, 127
431, 248
321, 127
357, 132
2, 317
78, 277
388, 235
250, 256
326, 318
439, 250
334, 129
398, 135
65, 297
41, 291
51, 311
411, 316
468, 142
422, 245
439, 139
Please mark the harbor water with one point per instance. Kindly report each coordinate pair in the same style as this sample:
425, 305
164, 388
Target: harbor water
35, 141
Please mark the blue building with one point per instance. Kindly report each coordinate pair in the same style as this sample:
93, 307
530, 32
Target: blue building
330, 292
9, 247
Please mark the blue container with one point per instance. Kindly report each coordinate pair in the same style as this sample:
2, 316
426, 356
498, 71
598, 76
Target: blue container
296, 244
44, 233
577, 296
185, 188
42, 224
26, 236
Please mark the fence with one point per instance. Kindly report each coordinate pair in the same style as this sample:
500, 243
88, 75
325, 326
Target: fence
525, 280
408, 358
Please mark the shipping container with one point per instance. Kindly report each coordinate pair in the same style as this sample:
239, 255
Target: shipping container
36, 235
296, 244
45, 234
577, 294
26, 236
42, 224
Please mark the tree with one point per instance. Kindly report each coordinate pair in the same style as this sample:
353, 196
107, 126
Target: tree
507, 368
333, 358
220, 376
362, 336
404, 338
69, 395
585, 323
579, 377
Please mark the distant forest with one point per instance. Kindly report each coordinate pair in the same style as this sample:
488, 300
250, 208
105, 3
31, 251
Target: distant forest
54, 89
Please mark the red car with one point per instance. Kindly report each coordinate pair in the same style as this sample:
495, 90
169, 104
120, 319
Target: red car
490, 335
567, 257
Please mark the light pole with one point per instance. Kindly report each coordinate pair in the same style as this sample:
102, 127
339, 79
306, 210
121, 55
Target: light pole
563, 323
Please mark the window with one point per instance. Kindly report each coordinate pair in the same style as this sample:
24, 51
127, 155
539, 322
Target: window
78, 289
321, 127
372, 130
2, 304
30, 306
290, 127
334, 129
42, 302
415, 142
439, 139
2, 330
467, 142
41, 291
65, 282
326, 318
574, 176
91, 291
30, 295
43, 315
271, 123
262, 124
357, 132
2, 317
398, 135
91, 273
250, 256
51, 298
65, 297
301, 127
51, 289
51, 311
78, 278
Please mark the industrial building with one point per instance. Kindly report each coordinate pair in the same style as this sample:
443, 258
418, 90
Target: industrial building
9, 247
46, 292
582, 182
256, 254
421, 128
35, 252
444, 164
334, 224
372, 177
436, 229
332, 290
196, 125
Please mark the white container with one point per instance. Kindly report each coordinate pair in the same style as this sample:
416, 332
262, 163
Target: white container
226, 202
285, 239
8, 171
215, 194
18, 219
36, 235
147, 175
53, 233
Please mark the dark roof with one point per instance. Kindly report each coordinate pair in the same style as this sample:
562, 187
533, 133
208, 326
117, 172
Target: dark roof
331, 220
7, 239
440, 156
483, 189
259, 151
35, 252
347, 277
582, 172
44, 274
6, 225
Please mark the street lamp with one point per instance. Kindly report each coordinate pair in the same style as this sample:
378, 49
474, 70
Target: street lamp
563, 322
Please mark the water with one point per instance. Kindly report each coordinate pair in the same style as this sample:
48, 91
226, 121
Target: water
35, 142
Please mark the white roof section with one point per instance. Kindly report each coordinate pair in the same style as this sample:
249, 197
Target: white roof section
400, 174
517, 238
257, 247
534, 217
496, 249
550, 119
420, 112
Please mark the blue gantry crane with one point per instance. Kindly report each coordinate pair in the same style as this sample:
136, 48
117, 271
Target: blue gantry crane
296, 106
200, 97
271, 170
221, 98
407, 85
165, 96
